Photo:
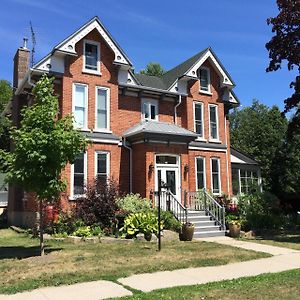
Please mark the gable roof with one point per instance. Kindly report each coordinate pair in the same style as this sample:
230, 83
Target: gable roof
240, 157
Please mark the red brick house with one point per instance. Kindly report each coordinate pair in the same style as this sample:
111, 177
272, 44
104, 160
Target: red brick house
143, 128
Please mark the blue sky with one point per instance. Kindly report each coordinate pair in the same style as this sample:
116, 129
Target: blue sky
166, 31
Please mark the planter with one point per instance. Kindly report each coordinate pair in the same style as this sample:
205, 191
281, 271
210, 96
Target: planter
187, 232
234, 230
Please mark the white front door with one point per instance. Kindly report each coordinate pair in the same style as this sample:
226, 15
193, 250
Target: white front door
167, 172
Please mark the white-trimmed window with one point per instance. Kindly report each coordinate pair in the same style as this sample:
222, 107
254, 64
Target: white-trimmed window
102, 108
80, 105
213, 122
199, 118
91, 56
204, 76
200, 170
79, 175
215, 175
102, 166
149, 109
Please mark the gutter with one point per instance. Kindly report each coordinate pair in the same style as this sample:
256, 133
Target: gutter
130, 164
175, 109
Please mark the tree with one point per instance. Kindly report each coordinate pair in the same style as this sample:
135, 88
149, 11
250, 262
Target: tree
153, 69
285, 45
5, 94
44, 145
259, 131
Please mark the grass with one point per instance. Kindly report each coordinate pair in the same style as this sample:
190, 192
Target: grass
22, 269
281, 239
284, 285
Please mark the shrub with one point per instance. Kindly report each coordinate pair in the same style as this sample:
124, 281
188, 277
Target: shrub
134, 203
99, 206
169, 221
142, 222
87, 231
65, 225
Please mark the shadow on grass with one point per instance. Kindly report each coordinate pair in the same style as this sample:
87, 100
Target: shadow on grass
21, 252
293, 237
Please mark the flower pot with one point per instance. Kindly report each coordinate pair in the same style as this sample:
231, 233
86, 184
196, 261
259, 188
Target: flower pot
186, 233
234, 230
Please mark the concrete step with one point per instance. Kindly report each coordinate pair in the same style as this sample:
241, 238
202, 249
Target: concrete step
207, 228
195, 218
199, 224
209, 234
196, 212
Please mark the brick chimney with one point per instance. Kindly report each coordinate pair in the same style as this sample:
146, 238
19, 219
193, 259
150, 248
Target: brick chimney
21, 63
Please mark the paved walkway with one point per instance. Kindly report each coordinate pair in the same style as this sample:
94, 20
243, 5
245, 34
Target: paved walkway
283, 259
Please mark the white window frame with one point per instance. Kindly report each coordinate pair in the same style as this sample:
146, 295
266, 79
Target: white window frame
219, 175
98, 71
86, 102
72, 196
107, 162
107, 110
217, 123
200, 137
204, 171
208, 79
149, 102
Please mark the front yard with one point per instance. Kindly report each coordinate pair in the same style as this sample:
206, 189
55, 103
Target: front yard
66, 263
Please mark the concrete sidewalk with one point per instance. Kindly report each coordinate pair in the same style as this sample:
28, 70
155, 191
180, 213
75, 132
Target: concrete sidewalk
284, 259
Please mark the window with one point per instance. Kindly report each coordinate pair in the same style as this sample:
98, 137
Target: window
213, 122
166, 159
235, 181
91, 56
150, 109
102, 108
204, 75
102, 166
200, 169
215, 175
198, 117
249, 181
79, 175
80, 105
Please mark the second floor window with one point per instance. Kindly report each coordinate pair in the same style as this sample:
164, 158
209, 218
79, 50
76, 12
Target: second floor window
150, 110
91, 56
213, 122
198, 113
102, 108
80, 105
204, 76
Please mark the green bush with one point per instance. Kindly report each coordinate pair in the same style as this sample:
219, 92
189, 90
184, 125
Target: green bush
87, 231
134, 203
65, 225
169, 221
142, 222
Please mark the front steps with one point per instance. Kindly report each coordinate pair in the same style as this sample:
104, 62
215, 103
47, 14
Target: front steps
204, 225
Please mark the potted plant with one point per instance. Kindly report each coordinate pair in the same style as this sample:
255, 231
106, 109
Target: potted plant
234, 228
187, 232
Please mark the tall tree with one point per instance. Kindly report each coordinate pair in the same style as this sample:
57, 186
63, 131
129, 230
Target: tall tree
44, 145
153, 69
5, 94
285, 45
258, 131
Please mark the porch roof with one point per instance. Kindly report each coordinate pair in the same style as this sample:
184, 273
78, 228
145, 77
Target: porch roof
160, 131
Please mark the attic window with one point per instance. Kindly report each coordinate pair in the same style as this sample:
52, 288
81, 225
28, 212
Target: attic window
91, 57
204, 76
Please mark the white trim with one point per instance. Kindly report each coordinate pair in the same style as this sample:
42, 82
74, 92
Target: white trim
219, 175
107, 162
202, 118
217, 140
106, 130
72, 196
86, 103
149, 102
84, 70
208, 81
206, 149
116, 142
204, 171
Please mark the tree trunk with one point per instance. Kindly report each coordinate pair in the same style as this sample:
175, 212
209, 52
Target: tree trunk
41, 229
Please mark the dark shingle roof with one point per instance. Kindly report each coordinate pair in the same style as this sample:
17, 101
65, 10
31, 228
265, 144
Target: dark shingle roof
151, 81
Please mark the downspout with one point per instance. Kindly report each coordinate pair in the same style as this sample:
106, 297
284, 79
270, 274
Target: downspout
130, 164
175, 109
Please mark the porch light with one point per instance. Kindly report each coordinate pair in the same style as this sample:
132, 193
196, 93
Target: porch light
186, 168
151, 168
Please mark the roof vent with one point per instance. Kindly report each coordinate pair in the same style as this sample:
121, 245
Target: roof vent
25, 42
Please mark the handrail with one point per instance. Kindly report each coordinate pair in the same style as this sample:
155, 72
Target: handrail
201, 200
169, 202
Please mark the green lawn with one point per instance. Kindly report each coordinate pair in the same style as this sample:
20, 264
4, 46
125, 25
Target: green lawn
281, 286
284, 239
21, 269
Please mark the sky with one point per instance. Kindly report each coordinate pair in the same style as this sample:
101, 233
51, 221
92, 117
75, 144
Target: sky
164, 31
